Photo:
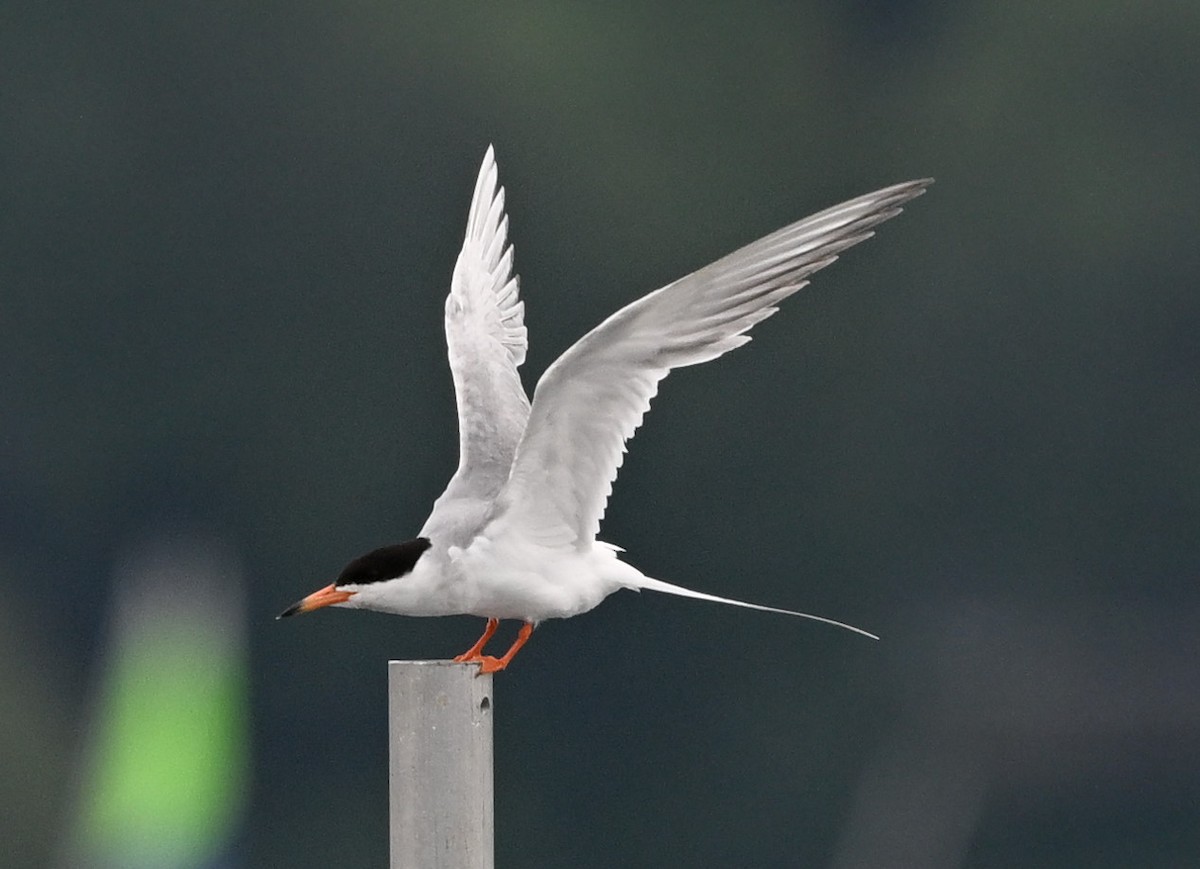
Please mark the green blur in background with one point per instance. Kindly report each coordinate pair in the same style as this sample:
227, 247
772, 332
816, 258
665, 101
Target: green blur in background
163, 776
168, 748
226, 235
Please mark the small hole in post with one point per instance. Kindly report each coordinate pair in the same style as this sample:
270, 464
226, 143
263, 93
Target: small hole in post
485, 704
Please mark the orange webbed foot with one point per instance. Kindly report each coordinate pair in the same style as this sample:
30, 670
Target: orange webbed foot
488, 664
475, 652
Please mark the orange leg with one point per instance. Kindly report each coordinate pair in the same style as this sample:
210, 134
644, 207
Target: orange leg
475, 652
488, 664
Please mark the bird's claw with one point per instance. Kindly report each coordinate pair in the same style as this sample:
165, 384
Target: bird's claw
488, 664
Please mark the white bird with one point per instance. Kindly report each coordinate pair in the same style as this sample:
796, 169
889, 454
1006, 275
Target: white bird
514, 534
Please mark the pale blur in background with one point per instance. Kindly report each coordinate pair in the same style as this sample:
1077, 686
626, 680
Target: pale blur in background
226, 234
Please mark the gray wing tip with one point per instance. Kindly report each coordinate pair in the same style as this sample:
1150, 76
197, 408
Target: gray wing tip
915, 188
896, 195
905, 191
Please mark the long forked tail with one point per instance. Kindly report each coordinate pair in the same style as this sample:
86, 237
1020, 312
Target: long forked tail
667, 588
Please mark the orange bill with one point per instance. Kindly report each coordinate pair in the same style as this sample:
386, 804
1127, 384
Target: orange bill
327, 596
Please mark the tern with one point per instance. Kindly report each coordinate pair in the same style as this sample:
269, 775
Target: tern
514, 534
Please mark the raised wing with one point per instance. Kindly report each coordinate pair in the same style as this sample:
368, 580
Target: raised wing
593, 398
485, 334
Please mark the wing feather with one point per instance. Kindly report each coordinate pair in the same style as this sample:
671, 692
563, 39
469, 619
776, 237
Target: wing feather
486, 339
593, 398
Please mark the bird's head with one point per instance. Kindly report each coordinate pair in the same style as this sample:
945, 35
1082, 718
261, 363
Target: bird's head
365, 575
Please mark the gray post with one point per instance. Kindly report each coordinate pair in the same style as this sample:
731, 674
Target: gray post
440, 741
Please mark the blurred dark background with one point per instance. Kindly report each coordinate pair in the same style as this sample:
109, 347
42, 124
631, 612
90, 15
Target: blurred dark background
226, 234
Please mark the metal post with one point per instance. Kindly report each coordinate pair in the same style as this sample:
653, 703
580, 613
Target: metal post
440, 739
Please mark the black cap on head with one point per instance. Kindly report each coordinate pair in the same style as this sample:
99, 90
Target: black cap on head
387, 562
